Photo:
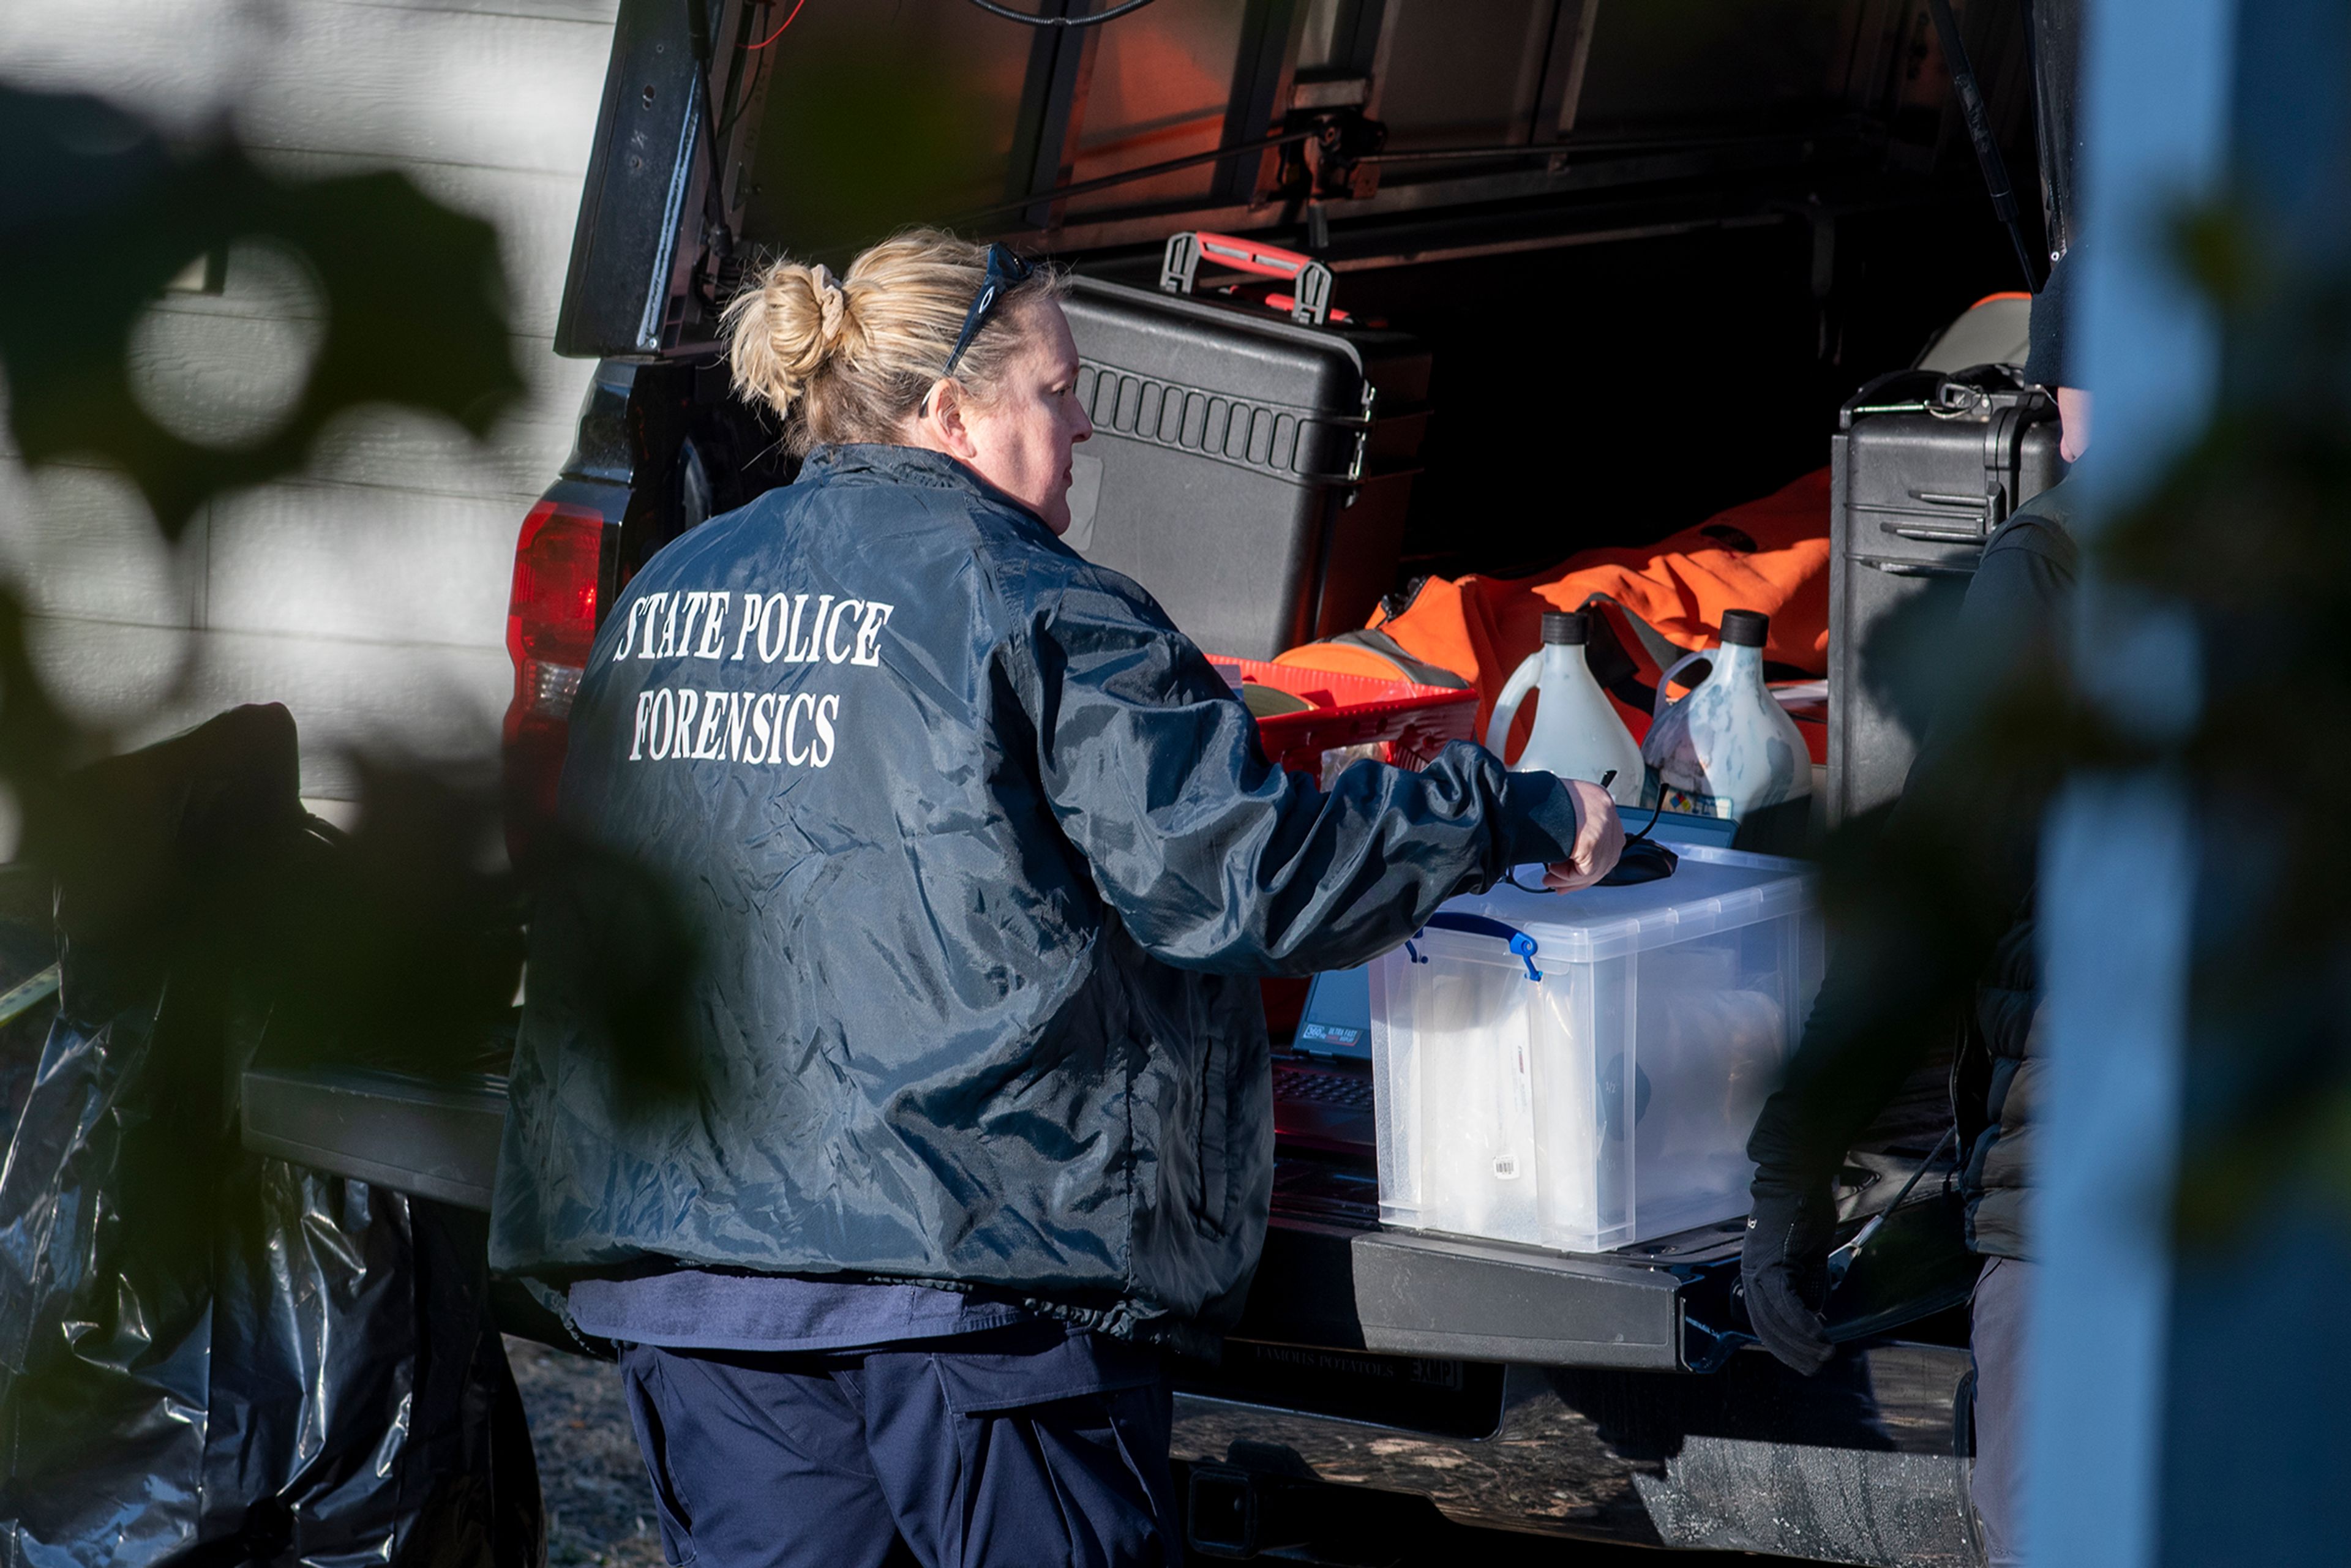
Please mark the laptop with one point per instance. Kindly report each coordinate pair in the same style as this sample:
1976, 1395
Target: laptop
1322, 1085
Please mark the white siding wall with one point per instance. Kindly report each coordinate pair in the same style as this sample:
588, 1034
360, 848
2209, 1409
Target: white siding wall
368, 594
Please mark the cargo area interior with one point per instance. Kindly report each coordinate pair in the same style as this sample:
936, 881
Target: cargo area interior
1609, 393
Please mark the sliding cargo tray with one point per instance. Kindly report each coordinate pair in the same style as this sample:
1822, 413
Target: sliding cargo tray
1331, 1278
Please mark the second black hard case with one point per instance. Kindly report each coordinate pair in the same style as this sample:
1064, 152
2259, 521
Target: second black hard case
1926, 466
1251, 472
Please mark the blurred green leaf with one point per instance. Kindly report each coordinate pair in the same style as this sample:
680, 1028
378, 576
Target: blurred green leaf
97, 215
2216, 249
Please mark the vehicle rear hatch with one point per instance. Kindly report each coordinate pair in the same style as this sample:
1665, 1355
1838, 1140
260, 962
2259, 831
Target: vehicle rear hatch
1374, 132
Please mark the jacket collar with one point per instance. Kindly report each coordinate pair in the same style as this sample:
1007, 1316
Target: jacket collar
876, 464
873, 462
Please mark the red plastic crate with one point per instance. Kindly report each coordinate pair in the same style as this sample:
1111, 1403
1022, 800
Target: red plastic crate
1412, 721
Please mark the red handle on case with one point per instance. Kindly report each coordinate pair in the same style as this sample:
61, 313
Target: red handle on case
1310, 301
1245, 255
1287, 303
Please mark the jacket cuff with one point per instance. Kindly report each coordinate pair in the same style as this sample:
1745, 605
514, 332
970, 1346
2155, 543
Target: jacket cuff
1538, 819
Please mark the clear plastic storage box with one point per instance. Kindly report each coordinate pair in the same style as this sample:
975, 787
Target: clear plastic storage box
1581, 1071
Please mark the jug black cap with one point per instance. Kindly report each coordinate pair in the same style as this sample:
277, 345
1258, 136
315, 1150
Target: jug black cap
1565, 628
1745, 628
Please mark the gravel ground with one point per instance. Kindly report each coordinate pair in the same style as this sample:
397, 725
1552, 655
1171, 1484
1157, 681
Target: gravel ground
600, 1506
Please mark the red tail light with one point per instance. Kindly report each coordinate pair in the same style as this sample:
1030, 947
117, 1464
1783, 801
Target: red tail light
550, 621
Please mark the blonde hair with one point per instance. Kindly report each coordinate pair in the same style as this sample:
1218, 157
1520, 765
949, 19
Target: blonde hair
851, 359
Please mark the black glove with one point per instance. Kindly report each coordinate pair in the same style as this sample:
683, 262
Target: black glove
1785, 1269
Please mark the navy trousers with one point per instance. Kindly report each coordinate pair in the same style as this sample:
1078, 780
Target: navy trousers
1024, 1446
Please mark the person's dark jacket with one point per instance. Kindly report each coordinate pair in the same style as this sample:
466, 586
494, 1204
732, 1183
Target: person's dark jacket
1946, 939
984, 861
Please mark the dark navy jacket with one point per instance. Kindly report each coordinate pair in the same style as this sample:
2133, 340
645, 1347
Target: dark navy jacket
984, 861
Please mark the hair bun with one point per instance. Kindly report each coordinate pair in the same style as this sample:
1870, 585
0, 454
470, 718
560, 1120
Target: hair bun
785, 328
855, 358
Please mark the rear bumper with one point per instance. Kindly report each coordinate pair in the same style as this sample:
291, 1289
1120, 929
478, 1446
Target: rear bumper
1440, 1296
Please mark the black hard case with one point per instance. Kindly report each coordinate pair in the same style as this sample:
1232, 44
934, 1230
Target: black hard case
1254, 473
1925, 467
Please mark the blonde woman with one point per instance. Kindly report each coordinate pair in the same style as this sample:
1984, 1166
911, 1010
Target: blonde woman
985, 863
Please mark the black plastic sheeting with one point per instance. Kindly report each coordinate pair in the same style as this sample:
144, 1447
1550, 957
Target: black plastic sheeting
208, 1357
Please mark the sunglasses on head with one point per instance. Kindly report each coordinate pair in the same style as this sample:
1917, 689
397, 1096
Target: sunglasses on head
1006, 272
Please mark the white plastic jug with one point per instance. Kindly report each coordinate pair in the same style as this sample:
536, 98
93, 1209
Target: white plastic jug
1728, 749
1576, 734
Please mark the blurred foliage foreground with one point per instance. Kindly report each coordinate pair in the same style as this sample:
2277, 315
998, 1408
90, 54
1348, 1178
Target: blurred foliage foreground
399, 944
2249, 532
97, 215
2244, 543
206, 1356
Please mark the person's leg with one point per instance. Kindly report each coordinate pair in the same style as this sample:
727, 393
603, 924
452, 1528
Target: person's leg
1046, 1458
1998, 1341
757, 1462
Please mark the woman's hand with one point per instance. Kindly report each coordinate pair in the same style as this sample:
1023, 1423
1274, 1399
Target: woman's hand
1599, 840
